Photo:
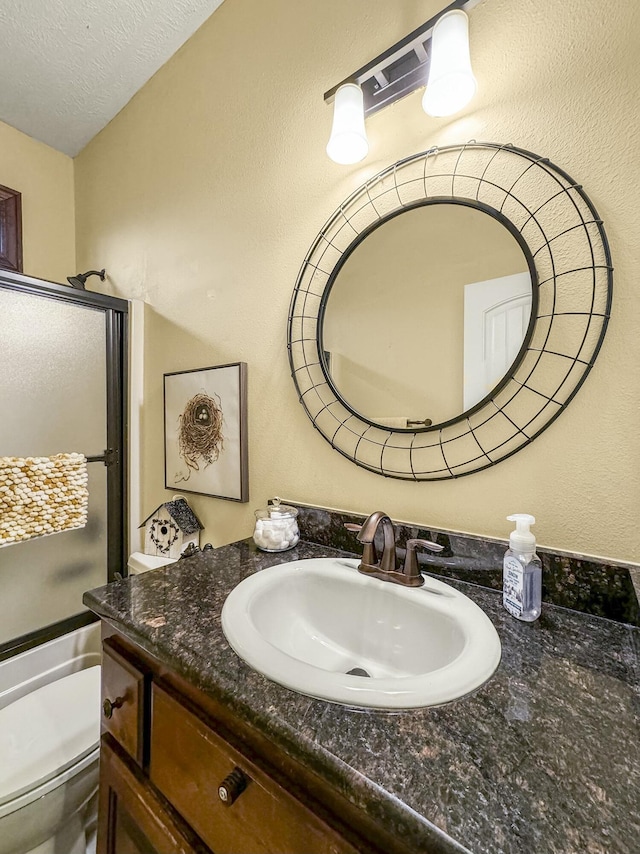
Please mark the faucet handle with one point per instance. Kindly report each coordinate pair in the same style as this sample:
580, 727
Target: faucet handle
411, 568
369, 553
426, 544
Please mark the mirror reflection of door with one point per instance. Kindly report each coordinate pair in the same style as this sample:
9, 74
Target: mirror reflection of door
496, 317
393, 331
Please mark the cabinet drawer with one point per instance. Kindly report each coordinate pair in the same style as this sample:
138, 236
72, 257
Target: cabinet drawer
125, 700
190, 762
132, 817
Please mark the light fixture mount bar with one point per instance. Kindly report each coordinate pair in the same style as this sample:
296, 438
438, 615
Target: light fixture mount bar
404, 66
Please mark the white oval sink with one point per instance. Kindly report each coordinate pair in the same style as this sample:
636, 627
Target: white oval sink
308, 623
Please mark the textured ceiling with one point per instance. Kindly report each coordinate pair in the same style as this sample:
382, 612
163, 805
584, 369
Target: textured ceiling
68, 66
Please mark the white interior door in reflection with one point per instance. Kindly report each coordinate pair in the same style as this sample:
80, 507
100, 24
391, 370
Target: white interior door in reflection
496, 317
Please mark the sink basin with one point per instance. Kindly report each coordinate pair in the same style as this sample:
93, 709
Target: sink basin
323, 629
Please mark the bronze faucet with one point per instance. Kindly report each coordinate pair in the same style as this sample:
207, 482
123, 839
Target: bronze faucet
385, 568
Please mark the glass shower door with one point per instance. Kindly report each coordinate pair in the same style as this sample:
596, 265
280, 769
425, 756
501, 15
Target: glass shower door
59, 372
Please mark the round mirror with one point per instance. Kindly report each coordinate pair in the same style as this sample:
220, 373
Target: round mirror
426, 315
485, 236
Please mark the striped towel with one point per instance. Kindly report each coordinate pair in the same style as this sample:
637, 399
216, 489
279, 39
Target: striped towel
42, 495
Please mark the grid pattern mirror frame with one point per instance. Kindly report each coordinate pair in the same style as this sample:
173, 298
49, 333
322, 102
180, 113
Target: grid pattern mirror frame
563, 239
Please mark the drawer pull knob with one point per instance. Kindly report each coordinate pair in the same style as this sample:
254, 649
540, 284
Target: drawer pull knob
109, 706
232, 787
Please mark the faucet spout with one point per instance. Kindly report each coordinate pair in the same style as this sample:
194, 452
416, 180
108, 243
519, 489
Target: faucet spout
367, 535
385, 569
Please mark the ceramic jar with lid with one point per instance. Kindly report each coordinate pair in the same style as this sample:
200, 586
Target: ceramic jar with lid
276, 527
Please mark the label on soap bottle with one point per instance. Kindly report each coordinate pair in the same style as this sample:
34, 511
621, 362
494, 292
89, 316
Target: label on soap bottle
513, 586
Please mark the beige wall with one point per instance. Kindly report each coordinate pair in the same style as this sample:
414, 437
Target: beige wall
45, 179
205, 192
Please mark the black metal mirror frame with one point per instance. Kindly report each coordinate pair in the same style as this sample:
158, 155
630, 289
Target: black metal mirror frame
358, 240
567, 251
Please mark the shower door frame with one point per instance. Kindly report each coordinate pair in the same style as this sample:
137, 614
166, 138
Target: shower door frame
116, 313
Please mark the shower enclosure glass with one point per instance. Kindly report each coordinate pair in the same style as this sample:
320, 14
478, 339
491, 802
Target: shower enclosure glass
62, 384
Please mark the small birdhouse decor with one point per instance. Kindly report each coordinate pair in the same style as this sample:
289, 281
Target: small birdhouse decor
170, 529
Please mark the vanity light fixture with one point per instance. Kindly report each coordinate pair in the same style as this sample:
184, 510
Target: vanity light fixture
348, 142
451, 83
435, 55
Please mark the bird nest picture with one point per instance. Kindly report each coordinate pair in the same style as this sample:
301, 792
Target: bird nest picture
205, 429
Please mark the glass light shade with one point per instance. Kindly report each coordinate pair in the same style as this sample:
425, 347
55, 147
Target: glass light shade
348, 141
451, 83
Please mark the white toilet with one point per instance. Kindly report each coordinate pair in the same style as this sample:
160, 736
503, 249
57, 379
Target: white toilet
49, 752
49, 747
139, 562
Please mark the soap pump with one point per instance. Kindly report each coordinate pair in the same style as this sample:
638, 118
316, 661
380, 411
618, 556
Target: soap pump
522, 571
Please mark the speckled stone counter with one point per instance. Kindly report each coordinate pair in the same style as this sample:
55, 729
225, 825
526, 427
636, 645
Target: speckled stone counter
544, 758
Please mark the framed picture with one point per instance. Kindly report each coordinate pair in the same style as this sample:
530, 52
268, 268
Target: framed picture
205, 431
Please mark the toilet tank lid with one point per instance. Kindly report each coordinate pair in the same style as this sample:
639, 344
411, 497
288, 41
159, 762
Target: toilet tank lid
139, 562
45, 732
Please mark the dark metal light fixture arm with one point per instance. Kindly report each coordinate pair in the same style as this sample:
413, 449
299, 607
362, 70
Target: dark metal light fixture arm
400, 69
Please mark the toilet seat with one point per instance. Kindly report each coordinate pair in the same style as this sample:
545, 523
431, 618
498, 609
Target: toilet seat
48, 736
10, 806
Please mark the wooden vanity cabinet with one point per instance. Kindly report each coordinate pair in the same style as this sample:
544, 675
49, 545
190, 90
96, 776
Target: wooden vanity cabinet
179, 775
231, 804
126, 683
132, 818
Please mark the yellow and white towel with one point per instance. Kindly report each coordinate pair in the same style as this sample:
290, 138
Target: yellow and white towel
42, 495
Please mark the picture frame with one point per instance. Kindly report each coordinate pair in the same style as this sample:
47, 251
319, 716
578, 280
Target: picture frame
205, 431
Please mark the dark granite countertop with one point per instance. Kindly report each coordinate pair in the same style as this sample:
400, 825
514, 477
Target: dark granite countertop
543, 759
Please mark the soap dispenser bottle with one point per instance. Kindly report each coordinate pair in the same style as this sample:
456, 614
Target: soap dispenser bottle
522, 572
